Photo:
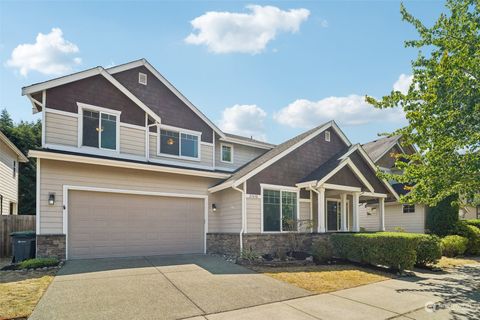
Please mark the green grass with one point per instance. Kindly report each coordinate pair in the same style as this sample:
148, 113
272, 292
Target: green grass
38, 263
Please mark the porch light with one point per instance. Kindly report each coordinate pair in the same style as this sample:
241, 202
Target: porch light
214, 207
51, 198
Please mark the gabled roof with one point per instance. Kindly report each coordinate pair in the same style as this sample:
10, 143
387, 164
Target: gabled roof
378, 148
21, 156
275, 154
229, 137
159, 76
38, 87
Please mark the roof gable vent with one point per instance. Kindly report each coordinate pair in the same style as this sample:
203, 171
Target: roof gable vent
327, 136
142, 78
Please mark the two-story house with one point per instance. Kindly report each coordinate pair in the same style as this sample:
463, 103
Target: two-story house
129, 166
10, 157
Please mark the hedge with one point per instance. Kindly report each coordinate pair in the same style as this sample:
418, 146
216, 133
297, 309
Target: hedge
473, 222
472, 233
395, 250
38, 263
454, 245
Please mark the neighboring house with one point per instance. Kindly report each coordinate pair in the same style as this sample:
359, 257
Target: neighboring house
410, 218
10, 157
128, 166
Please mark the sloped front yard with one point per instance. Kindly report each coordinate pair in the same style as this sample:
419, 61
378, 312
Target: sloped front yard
21, 291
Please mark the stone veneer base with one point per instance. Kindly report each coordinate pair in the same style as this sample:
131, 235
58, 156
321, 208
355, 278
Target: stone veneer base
51, 246
261, 243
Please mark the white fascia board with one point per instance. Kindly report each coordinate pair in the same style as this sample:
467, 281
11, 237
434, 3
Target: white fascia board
340, 133
248, 143
355, 170
60, 81
20, 155
374, 167
282, 154
123, 164
146, 64
307, 184
221, 187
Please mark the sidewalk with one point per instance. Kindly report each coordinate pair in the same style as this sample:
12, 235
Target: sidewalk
454, 295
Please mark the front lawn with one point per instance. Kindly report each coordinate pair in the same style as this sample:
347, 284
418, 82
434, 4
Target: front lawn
324, 278
21, 291
446, 262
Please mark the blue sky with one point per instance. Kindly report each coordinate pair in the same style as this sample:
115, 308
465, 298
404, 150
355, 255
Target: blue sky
264, 71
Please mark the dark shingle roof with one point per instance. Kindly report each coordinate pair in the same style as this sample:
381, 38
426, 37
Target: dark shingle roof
378, 147
270, 154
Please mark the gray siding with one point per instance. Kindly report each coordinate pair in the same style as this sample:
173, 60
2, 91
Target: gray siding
254, 215
228, 217
61, 129
55, 174
410, 222
132, 141
9, 183
241, 155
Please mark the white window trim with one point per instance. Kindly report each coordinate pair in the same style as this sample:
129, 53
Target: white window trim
100, 110
414, 208
278, 188
327, 136
140, 75
221, 152
180, 131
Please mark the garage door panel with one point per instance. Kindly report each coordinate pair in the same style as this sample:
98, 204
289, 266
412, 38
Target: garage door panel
114, 225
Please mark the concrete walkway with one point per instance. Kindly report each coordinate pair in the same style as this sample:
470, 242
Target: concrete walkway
450, 295
206, 287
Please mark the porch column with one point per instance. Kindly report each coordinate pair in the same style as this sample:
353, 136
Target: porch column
343, 210
381, 208
321, 210
355, 213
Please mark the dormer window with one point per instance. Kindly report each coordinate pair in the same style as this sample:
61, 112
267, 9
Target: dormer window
142, 78
99, 127
327, 136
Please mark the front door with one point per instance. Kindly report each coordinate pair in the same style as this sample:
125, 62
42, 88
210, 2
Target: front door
333, 215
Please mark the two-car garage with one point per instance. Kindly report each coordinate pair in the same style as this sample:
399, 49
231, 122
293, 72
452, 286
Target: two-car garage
119, 224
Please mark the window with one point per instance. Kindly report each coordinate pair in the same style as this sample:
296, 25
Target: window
12, 208
178, 143
142, 78
408, 208
279, 210
14, 168
99, 130
227, 153
1, 204
327, 136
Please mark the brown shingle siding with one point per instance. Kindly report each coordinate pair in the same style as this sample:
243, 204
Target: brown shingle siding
163, 102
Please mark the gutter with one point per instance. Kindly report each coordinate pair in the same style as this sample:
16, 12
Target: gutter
244, 211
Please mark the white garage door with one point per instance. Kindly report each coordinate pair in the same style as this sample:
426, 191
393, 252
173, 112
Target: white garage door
104, 224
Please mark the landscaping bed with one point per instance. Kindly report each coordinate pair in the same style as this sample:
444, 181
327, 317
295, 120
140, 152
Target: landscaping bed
22, 285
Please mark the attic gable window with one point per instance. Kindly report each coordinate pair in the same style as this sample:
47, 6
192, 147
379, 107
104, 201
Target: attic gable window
327, 136
142, 78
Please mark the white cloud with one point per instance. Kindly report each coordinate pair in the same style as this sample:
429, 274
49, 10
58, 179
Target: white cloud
51, 54
403, 83
244, 120
347, 111
227, 32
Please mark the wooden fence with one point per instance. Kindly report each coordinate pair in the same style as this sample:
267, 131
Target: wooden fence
9, 224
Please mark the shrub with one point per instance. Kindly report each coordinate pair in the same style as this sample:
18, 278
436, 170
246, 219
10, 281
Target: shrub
442, 218
472, 233
322, 251
473, 222
429, 249
38, 263
454, 245
391, 249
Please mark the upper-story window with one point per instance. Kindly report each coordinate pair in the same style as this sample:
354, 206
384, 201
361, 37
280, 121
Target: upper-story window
327, 136
226, 153
408, 208
178, 143
99, 128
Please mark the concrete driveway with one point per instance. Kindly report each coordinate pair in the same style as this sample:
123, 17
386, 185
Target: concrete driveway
158, 287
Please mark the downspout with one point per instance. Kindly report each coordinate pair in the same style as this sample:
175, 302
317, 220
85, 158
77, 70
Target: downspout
244, 209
